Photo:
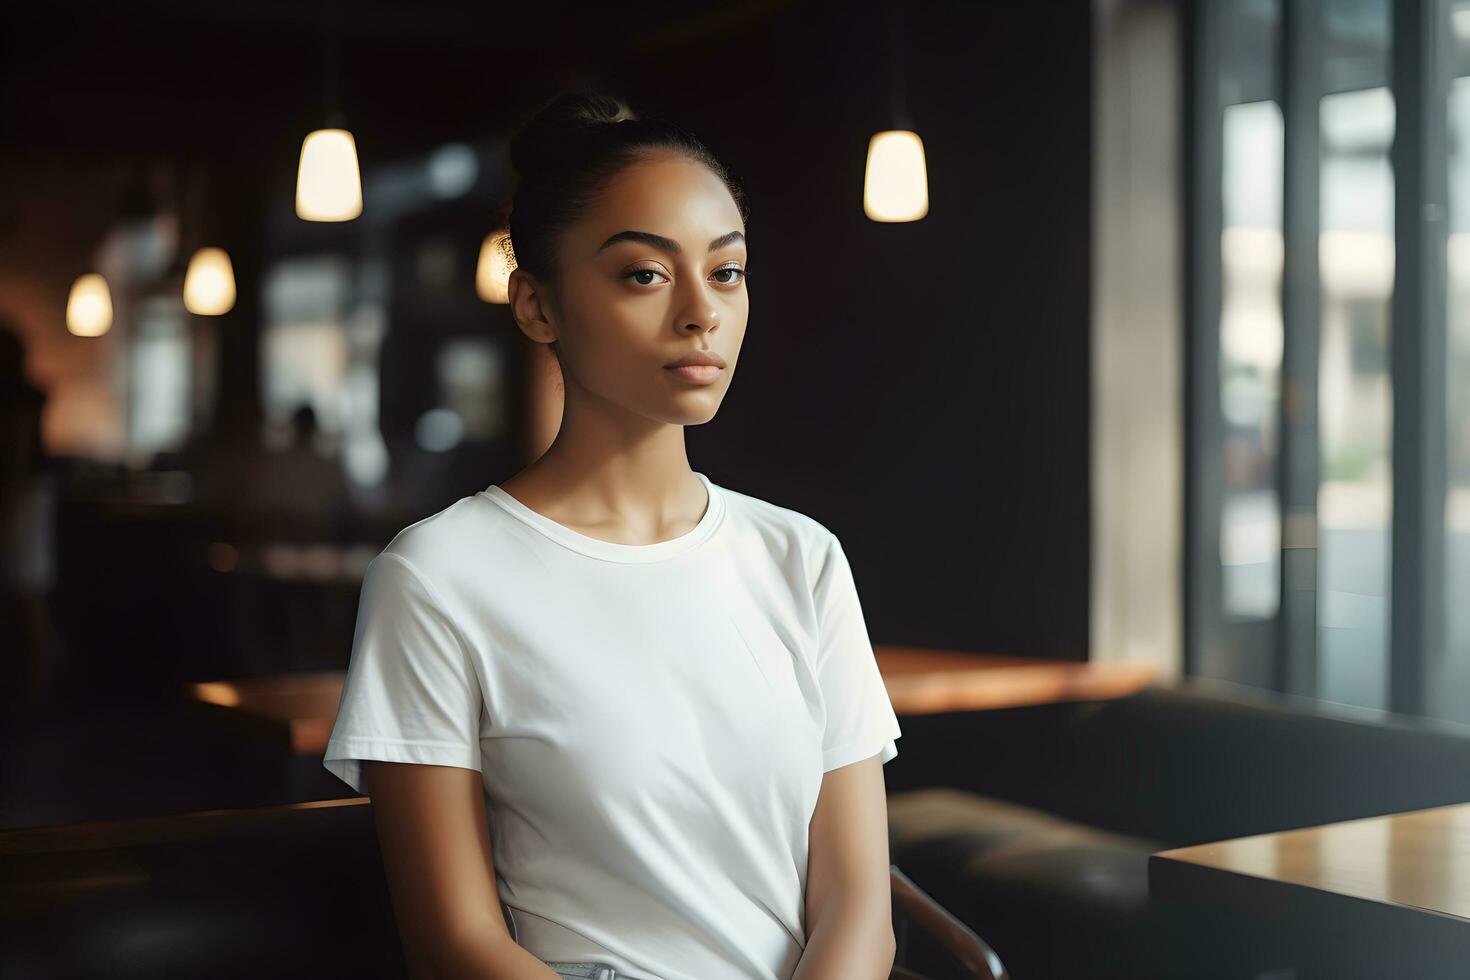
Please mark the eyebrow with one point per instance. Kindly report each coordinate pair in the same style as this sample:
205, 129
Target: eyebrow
667, 244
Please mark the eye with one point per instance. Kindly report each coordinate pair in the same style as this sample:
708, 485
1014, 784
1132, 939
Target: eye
642, 272
731, 268
740, 275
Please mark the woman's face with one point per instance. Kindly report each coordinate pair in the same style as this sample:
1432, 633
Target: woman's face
641, 287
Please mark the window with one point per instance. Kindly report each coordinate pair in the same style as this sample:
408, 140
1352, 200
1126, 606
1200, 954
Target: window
161, 392
1328, 299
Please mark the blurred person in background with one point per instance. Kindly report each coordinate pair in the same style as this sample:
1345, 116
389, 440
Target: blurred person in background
256, 495
27, 551
300, 494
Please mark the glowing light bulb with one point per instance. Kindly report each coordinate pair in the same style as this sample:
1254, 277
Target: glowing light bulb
89, 307
492, 272
328, 184
896, 183
209, 285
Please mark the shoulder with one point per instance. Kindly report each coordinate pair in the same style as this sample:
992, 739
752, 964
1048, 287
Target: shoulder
797, 532
445, 545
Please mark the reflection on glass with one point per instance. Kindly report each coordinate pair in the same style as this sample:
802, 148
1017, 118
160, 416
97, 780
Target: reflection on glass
304, 345
1240, 642
1355, 407
1451, 699
160, 391
471, 374
1250, 359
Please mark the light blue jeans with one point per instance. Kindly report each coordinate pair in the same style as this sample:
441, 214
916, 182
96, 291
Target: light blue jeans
585, 970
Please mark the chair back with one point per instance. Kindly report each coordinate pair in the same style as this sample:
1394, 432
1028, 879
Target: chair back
969, 957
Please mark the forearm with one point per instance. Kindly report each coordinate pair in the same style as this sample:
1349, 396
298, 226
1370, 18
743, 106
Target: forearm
848, 941
479, 956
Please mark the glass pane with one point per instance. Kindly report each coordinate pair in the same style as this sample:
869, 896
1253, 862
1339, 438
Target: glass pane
1250, 359
472, 384
161, 388
304, 345
1356, 257
1452, 698
1242, 645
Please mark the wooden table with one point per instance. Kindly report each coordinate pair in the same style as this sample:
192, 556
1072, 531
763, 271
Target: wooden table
299, 709
1384, 896
922, 680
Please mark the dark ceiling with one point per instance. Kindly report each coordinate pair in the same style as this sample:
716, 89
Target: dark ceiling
238, 82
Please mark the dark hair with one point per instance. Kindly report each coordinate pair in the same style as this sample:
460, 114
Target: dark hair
568, 151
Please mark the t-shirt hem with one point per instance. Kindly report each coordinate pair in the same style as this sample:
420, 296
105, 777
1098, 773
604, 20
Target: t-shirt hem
344, 755
842, 755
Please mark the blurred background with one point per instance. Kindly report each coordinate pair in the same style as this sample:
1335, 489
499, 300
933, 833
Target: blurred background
1169, 368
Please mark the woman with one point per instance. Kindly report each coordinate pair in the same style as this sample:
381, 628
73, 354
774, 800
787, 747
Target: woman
662, 688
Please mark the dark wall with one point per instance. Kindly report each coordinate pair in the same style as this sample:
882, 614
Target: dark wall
922, 388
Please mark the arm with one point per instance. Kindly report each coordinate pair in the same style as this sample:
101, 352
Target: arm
436, 853
849, 918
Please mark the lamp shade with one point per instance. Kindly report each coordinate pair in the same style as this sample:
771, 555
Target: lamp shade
896, 182
89, 307
492, 272
209, 285
328, 185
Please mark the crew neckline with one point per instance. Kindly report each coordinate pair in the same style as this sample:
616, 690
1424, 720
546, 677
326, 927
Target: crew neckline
612, 550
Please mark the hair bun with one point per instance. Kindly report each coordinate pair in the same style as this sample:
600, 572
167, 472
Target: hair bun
555, 132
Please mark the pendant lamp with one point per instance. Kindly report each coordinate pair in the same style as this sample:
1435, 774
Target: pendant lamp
209, 284
492, 272
895, 179
328, 181
89, 307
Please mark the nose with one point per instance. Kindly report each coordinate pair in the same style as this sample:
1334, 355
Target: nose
699, 312
702, 323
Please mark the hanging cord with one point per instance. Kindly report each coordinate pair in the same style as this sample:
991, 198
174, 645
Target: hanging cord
897, 95
332, 63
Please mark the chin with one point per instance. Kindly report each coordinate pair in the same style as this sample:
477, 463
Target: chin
691, 414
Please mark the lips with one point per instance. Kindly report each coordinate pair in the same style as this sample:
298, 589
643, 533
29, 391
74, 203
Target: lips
697, 359
700, 374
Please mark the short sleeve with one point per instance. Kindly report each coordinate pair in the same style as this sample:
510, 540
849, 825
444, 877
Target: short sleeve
410, 694
860, 718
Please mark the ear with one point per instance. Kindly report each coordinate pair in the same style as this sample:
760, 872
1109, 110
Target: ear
529, 304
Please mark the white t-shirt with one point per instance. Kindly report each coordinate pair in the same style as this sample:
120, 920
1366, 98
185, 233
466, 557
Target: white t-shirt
651, 722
